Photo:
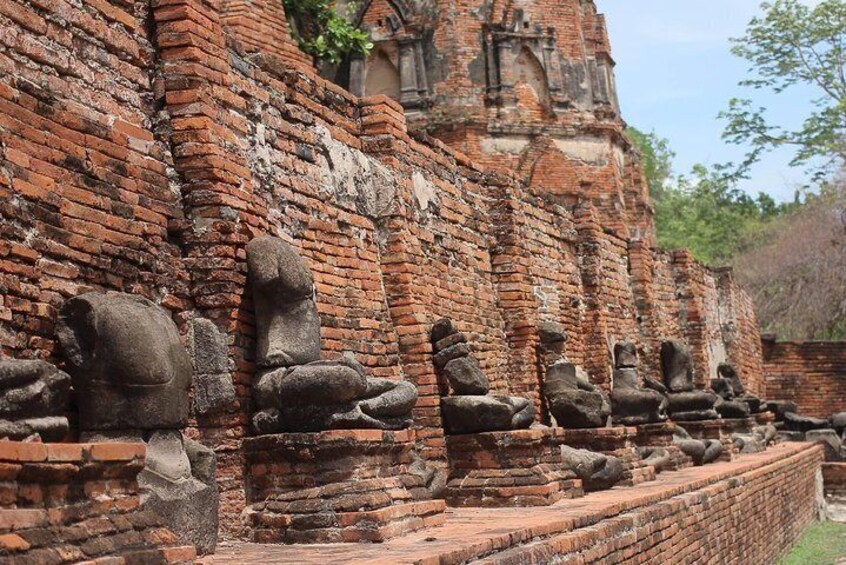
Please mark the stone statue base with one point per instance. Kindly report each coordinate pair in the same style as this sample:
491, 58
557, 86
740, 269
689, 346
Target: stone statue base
617, 442
514, 468
660, 437
336, 486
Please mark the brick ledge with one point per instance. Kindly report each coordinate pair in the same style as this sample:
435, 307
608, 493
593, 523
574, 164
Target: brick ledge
476, 533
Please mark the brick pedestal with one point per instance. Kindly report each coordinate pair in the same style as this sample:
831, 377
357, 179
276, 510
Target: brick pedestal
618, 442
661, 435
738, 426
516, 468
335, 486
71, 503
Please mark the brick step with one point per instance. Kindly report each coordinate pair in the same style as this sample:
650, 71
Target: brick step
268, 526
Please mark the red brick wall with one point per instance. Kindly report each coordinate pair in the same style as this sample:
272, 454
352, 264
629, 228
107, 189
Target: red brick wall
261, 26
148, 164
86, 195
834, 479
74, 503
754, 517
812, 374
741, 332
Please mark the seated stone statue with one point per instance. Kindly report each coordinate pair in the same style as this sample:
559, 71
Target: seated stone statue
730, 389
131, 378
33, 400
632, 405
685, 402
794, 422
294, 390
596, 470
470, 409
702, 451
728, 406
129, 369
572, 399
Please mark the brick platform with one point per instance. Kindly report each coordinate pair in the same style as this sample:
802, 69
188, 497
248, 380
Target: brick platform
617, 441
516, 468
335, 486
661, 435
72, 503
755, 508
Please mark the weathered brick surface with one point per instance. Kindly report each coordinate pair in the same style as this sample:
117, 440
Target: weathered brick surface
750, 510
75, 503
298, 493
812, 374
144, 144
516, 468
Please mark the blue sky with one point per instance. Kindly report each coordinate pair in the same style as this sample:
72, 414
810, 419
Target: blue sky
675, 73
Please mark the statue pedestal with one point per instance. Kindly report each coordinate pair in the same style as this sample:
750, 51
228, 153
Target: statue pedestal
738, 426
720, 430
335, 486
514, 468
661, 435
68, 502
618, 442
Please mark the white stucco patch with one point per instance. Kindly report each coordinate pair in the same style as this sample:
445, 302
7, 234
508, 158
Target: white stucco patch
424, 191
509, 145
587, 149
353, 176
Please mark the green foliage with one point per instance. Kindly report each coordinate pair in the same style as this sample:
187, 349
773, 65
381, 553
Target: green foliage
793, 44
707, 214
656, 158
702, 211
323, 33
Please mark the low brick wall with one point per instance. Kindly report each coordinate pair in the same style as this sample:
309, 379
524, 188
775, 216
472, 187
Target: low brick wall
79, 503
743, 512
810, 373
338, 485
754, 517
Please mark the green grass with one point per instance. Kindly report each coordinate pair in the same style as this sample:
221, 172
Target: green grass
824, 543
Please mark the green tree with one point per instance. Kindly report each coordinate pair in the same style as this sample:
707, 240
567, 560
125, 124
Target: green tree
704, 210
323, 33
656, 158
793, 44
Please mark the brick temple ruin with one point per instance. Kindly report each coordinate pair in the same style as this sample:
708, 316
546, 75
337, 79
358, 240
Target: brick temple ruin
249, 305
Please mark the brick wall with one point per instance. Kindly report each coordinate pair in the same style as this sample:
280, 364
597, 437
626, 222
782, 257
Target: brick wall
812, 374
74, 503
142, 148
87, 198
753, 517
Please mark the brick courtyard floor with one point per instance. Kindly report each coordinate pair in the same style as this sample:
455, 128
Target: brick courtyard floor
471, 533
